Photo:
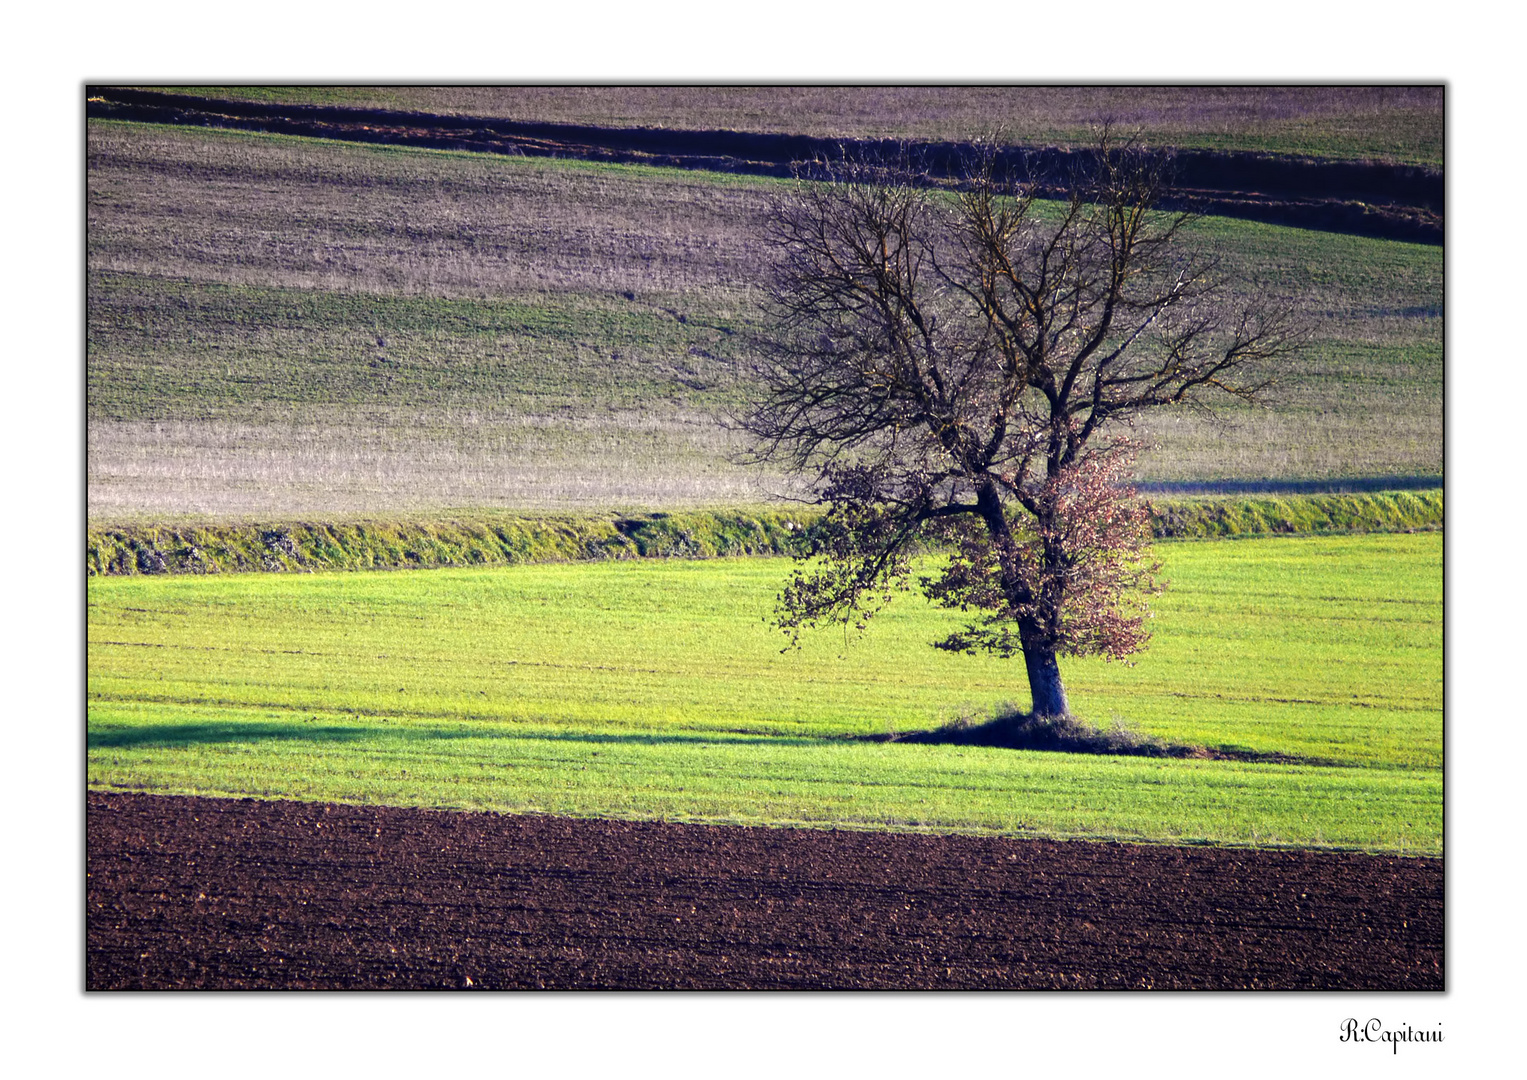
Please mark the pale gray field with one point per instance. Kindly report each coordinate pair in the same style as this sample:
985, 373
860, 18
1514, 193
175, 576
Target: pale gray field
280, 326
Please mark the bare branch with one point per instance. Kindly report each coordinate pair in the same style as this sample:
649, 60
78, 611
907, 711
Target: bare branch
958, 365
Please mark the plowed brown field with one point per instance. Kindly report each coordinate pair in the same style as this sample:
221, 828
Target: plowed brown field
190, 892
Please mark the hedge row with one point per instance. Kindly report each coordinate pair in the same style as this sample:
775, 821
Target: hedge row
505, 540
458, 541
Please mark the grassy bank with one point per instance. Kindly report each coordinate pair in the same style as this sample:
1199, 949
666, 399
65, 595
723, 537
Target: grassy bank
656, 689
488, 539
469, 540
1212, 517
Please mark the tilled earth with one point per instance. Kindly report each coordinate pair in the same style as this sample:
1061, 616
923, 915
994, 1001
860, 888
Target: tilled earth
190, 892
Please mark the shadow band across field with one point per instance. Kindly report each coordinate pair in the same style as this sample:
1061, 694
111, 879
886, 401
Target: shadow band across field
166, 736
1275, 486
1394, 201
1071, 737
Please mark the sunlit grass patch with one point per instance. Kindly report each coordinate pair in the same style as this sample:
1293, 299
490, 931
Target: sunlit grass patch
657, 689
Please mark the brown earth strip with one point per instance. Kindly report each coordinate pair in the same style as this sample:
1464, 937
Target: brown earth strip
215, 893
1401, 202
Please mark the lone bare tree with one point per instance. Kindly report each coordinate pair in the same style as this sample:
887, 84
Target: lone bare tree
965, 365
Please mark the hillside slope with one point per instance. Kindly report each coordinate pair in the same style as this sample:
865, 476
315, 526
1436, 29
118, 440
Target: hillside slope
283, 326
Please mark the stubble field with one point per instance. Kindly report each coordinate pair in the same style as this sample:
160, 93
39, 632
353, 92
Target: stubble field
385, 329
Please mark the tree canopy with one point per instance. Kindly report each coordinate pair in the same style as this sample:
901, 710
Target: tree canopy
963, 366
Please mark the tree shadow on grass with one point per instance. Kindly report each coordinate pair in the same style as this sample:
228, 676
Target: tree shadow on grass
172, 735
169, 736
1008, 730
1013, 730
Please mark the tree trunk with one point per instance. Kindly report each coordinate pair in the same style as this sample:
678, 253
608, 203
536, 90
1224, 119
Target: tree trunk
1048, 692
1045, 687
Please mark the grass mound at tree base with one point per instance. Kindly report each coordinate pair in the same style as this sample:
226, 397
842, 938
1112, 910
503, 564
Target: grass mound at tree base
1012, 729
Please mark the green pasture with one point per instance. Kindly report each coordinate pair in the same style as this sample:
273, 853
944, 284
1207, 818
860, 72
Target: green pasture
656, 689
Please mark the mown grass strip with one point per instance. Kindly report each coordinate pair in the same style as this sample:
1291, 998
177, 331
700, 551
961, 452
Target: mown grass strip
487, 539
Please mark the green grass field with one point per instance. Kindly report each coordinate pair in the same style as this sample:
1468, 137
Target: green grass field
280, 325
655, 689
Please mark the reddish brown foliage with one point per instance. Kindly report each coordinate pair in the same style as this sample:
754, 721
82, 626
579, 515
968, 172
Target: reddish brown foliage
1084, 566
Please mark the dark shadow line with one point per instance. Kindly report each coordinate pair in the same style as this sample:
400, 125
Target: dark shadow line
1403, 202
1070, 736
182, 735
169, 736
1352, 485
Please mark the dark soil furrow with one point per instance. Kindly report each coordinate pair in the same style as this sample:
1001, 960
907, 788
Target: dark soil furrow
188, 892
1368, 198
